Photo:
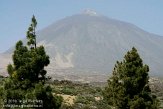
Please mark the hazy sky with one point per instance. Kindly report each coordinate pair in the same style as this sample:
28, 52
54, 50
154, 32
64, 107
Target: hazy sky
15, 15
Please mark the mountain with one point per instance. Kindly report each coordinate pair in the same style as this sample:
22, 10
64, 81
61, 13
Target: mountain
90, 44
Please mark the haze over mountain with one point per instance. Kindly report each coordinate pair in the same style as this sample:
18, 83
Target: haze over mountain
92, 43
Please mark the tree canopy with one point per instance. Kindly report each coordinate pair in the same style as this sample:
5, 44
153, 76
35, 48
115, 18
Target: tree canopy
27, 75
128, 86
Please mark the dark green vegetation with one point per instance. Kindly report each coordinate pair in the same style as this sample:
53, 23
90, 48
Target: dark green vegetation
128, 88
87, 96
25, 85
86, 93
90, 96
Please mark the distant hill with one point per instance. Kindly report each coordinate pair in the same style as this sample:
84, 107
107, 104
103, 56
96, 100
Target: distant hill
91, 43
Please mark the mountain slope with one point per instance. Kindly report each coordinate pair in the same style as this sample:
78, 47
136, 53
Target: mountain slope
97, 42
92, 43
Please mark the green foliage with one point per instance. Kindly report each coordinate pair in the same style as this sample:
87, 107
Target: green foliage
128, 87
29, 63
85, 99
31, 35
27, 75
68, 91
103, 105
70, 88
85, 95
44, 93
10, 69
1, 92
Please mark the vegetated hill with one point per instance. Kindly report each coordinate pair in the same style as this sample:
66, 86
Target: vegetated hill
91, 44
75, 94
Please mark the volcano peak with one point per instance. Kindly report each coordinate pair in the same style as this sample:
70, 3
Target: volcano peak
90, 12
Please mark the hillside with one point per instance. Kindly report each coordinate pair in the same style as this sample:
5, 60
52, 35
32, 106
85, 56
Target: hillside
89, 44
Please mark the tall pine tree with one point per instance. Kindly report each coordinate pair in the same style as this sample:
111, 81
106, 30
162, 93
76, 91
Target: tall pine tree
128, 87
27, 75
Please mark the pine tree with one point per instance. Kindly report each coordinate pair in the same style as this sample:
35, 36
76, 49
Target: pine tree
27, 75
128, 87
31, 33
